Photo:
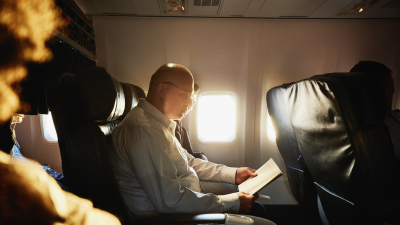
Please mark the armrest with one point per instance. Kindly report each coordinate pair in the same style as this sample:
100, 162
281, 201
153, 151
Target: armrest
216, 218
264, 199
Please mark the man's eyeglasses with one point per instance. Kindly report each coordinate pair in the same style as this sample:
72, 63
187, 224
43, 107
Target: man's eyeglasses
188, 94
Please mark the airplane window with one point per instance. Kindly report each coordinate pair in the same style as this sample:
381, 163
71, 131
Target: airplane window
48, 130
270, 130
216, 117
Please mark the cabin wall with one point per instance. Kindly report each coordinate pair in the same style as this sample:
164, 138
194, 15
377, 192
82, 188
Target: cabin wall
220, 56
246, 56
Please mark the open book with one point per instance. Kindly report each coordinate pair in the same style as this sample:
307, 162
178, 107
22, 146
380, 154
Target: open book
266, 174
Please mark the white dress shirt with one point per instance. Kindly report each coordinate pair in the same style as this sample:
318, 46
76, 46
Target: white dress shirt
156, 175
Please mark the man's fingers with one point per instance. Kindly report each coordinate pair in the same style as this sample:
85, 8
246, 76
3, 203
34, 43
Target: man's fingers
246, 193
252, 172
244, 173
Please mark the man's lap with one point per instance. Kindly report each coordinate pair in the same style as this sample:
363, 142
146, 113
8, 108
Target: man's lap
258, 210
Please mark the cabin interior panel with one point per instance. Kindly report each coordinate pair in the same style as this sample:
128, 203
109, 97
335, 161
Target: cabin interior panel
33, 145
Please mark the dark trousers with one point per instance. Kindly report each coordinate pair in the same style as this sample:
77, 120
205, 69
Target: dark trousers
258, 210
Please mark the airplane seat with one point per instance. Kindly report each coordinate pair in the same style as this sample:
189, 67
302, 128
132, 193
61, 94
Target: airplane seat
91, 104
338, 123
132, 94
299, 177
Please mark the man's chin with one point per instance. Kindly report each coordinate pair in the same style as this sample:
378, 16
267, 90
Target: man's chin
179, 116
184, 113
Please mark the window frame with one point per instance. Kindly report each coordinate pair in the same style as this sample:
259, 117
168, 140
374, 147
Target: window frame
236, 101
269, 123
43, 130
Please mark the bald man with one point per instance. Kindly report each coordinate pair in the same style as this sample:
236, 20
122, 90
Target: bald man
154, 173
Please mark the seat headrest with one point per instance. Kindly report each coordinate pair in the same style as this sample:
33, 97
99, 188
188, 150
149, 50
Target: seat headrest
365, 93
92, 94
132, 95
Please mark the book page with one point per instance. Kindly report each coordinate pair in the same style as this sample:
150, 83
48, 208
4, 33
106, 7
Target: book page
266, 173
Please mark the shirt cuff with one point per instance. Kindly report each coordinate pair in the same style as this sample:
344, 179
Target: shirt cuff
231, 202
228, 175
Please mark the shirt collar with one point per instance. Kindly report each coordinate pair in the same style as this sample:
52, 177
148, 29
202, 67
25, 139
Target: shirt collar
154, 112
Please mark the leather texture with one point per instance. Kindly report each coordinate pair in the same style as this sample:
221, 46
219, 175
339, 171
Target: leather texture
300, 180
338, 122
132, 94
101, 96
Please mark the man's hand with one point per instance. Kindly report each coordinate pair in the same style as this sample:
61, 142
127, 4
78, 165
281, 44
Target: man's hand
243, 173
246, 201
203, 157
200, 155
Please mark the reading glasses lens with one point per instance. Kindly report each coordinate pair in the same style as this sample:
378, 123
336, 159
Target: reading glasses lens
188, 94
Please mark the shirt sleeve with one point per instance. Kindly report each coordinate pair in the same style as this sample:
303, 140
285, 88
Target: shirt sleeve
158, 177
209, 171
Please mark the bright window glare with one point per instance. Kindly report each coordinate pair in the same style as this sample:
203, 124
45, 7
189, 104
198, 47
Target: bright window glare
216, 117
270, 130
48, 129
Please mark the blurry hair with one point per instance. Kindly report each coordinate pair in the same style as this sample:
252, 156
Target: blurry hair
378, 70
25, 25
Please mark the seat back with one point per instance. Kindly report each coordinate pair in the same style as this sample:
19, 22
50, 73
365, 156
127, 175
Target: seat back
91, 105
338, 122
300, 180
338, 209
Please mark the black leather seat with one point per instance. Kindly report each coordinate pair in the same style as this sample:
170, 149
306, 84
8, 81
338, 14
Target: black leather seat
299, 177
91, 105
338, 123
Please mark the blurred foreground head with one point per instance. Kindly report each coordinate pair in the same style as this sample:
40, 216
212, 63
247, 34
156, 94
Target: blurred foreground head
25, 25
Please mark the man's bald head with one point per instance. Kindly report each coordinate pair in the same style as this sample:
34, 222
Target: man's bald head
170, 72
171, 90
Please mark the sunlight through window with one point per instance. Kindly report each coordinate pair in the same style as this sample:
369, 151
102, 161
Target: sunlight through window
216, 117
270, 130
48, 129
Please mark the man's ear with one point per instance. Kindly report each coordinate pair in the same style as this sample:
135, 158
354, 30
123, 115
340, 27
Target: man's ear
161, 89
